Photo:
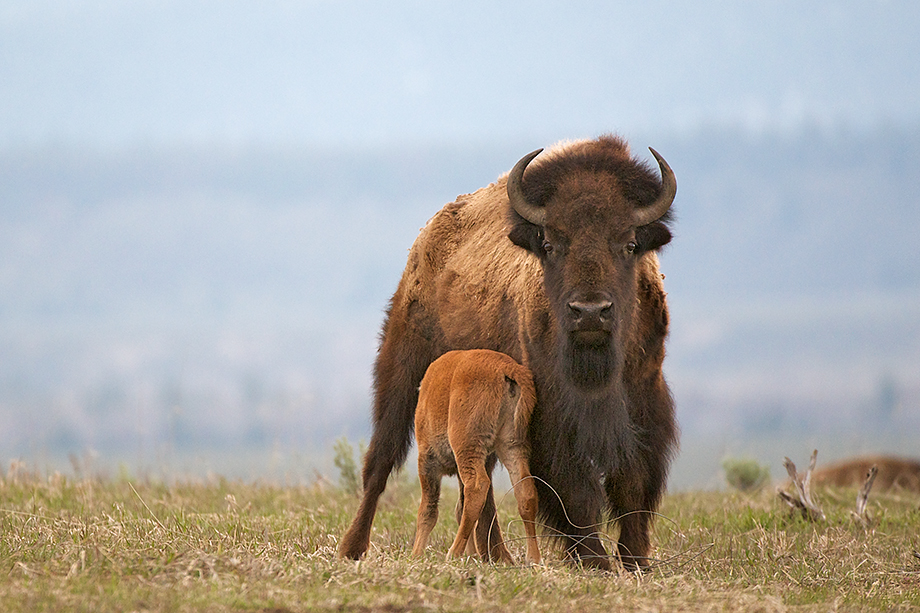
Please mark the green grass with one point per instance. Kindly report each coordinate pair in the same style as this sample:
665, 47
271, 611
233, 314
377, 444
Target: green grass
119, 545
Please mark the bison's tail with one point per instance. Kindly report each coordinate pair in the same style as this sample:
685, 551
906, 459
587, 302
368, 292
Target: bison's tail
526, 402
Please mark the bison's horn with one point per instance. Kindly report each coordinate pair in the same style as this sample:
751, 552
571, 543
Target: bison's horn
533, 214
658, 208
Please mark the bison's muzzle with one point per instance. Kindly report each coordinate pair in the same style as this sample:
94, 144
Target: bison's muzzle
590, 321
590, 316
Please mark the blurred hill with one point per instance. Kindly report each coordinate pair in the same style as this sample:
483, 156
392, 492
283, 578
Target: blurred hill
160, 299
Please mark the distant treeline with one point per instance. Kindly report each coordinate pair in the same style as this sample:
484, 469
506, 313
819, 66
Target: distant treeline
192, 295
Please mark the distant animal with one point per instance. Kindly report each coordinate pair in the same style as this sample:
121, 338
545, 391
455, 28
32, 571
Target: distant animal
555, 265
471, 405
893, 473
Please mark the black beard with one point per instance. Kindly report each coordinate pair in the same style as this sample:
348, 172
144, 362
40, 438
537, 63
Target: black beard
590, 365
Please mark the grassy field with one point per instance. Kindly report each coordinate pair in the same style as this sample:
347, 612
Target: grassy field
121, 545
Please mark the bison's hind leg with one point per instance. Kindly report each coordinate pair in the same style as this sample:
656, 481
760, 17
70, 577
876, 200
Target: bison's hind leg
400, 366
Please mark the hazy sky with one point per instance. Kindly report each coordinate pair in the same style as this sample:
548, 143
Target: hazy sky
108, 72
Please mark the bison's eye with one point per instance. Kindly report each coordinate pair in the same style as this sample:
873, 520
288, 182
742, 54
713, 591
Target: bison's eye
631, 247
547, 246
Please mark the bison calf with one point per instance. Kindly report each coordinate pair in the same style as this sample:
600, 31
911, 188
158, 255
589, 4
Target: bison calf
472, 404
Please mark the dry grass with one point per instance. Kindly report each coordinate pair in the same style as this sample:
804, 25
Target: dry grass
117, 545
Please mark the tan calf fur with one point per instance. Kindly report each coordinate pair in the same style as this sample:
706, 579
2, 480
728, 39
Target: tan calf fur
472, 404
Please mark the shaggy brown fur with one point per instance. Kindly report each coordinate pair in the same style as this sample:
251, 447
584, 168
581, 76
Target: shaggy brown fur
472, 404
603, 430
893, 472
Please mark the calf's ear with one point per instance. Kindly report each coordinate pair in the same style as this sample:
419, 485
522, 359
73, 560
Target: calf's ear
527, 236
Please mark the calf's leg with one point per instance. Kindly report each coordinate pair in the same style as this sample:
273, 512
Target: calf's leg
489, 540
430, 480
526, 494
476, 483
471, 549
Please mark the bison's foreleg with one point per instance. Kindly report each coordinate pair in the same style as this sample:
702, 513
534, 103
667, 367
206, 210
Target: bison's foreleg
572, 512
634, 518
634, 494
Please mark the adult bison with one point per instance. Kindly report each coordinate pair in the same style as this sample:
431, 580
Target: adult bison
556, 266
893, 473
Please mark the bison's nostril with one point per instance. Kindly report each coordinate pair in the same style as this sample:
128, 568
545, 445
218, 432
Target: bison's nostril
600, 308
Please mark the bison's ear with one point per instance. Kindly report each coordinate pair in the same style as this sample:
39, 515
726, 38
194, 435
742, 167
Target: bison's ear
653, 236
527, 236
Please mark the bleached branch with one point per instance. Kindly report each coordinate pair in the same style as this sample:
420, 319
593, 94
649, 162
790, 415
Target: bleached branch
803, 501
862, 498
